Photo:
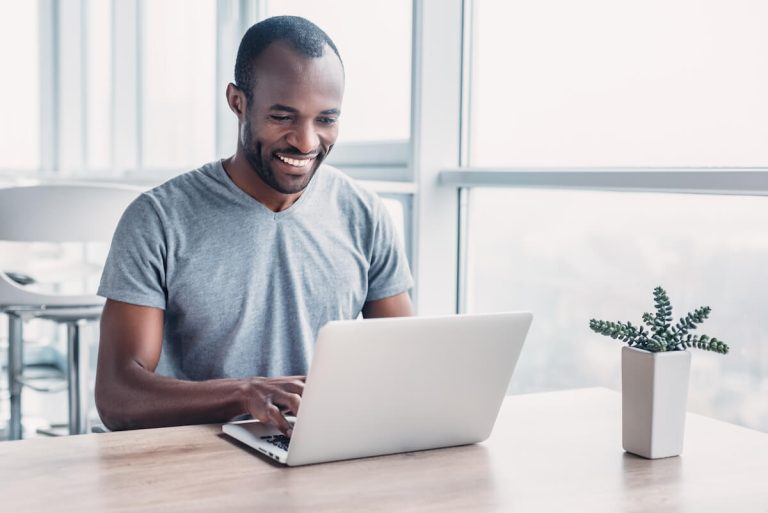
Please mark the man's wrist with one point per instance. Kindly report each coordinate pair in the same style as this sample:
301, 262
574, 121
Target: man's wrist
240, 396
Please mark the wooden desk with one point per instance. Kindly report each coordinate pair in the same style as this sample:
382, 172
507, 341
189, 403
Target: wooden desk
554, 452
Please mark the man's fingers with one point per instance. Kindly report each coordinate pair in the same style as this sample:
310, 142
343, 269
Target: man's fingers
295, 388
289, 402
271, 395
276, 418
293, 384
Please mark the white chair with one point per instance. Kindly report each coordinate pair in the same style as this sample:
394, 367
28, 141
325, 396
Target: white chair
56, 213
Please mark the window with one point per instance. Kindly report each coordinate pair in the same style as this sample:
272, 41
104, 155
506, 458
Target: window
396, 208
572, 256
178, 83
20, 86
602, 83
98, 85
376, 51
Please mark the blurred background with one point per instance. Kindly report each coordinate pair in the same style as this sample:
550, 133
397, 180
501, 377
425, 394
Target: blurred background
546, 155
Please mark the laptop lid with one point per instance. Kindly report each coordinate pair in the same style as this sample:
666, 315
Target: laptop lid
384, 386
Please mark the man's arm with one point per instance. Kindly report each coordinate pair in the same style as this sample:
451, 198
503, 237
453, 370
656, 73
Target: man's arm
394, 306
130, 395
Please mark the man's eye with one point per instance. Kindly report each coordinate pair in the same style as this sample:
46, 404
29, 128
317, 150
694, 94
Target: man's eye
280, 118
327, 121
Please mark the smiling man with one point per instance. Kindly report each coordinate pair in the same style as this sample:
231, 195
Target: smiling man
218, 281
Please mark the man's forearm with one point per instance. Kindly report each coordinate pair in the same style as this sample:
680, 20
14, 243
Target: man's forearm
136, 398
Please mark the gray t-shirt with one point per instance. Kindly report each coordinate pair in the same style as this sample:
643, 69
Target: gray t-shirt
245, 290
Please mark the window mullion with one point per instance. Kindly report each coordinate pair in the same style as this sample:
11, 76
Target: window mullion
436, 133
233, 17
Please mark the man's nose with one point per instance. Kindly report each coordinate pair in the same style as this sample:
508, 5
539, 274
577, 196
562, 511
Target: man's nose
304, 138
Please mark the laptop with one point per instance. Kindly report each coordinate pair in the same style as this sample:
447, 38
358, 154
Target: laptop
393, 385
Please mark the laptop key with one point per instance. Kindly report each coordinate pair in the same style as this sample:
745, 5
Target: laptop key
280, 441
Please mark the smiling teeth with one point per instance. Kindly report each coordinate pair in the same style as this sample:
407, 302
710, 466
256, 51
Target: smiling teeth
294, 162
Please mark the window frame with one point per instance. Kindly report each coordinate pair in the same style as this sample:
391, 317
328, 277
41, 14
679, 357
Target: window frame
751, 181
430, 168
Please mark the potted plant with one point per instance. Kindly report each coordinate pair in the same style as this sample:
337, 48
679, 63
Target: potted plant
654, 375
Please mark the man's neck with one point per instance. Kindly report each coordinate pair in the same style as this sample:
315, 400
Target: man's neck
246, 179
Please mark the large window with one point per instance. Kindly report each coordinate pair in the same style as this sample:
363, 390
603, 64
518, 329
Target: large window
644, 85
20, 86
616, 83
137, 87
572, 256
179, 82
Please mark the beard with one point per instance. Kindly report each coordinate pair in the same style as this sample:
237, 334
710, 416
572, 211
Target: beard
262, 164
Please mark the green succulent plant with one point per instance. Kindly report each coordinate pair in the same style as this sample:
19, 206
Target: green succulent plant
661, 334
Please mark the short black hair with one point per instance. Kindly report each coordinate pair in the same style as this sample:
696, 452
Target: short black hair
304, 36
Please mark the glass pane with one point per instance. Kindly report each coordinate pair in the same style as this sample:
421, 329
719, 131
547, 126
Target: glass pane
20, 86
601, 83
377, 62
396, 212
98, 85
179, 79
572, 256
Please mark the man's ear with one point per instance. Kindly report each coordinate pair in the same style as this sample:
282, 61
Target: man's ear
236, 101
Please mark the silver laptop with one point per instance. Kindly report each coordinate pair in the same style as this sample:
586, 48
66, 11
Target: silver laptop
385, 386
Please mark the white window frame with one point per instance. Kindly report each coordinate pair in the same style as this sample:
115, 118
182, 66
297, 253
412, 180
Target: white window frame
751, 181
436, 145
404, 170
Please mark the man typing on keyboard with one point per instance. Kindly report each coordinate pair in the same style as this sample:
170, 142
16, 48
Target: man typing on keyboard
218, 281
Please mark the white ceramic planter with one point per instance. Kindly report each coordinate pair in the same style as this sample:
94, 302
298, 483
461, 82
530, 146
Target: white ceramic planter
654, 396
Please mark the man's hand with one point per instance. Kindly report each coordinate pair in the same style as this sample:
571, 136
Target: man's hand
267, 398
130, 395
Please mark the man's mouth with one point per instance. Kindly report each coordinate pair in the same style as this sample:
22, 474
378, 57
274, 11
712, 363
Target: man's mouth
298, 162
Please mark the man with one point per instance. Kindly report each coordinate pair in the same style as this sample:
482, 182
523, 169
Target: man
218, 280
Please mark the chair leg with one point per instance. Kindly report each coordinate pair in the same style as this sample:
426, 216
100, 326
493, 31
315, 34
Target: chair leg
15, 368
77, 380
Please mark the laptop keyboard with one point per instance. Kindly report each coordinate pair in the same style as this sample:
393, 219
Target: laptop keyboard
280, 441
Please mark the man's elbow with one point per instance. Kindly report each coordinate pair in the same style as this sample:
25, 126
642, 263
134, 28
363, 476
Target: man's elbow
111, 408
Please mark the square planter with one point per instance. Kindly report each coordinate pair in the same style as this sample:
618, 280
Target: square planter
654, 396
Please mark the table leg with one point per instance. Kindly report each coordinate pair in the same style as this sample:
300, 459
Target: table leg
15, 368
77, 381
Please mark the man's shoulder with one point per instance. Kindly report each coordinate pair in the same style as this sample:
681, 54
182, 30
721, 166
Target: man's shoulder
185, 184
179, 199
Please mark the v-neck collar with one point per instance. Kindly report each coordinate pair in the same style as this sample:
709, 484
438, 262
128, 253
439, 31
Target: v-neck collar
221, 175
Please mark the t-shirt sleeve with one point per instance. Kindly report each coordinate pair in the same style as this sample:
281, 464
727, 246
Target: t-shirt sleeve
388, 274
135, 270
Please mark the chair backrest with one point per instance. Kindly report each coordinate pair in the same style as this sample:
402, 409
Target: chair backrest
79, 212
82, 212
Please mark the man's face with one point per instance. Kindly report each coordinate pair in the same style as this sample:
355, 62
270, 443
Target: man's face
291, 121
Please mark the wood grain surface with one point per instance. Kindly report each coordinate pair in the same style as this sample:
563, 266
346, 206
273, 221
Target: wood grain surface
550, 452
